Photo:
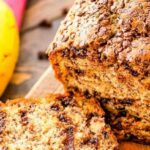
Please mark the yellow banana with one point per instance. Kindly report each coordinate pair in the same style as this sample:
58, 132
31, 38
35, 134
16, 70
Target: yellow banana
9, 45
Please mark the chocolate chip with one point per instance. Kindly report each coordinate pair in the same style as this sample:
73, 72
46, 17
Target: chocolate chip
134, 73
126, 101
121, 108
46, 23
137, 118
101, 56
146, 73
91, 115
95, 93
79, 72
65, 53
69, 130
64, 11
123, 113
63, 118
126, 66
42, 55
2, 121
118, 126
93, 141
65, 101
69, 141
87, 94
24, 118
130, 137
55, 107
80, 14
104, 100
105, 135
76, 89
80, 53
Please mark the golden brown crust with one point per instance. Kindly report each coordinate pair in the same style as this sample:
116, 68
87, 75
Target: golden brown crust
118, 30
55, 122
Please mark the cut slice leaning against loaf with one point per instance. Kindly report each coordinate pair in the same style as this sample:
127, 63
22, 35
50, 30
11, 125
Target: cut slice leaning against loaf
102, 49
59, 122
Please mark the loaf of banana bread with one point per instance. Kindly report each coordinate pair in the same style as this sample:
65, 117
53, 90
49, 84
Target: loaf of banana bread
59, 122
102, 49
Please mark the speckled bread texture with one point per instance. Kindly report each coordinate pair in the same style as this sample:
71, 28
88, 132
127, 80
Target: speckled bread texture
102, 48
59, 122
128, 119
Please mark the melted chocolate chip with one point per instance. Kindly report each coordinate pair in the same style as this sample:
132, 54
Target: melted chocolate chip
137, 118
55, 107
105, 135
104, 100
2, 121
64, 11
69, 130
63, 118
123, 113
133, 72
24, 118
79, 72
69, 141
80, 53
126, 101
93, 141
130, 137
76, 89
46, 23
95, 93
101, 57
91, 115
121, 108
74, 52
66, 53
146, 73
42, 55
66, 101
118, 126
87, 94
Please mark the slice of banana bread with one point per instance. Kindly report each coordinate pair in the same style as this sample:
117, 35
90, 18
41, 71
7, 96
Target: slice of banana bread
102, 49
57, 122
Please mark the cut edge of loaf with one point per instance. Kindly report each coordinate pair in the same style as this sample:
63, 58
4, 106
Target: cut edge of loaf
66, 111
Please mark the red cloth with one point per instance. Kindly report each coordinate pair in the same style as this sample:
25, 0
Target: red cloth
18, 7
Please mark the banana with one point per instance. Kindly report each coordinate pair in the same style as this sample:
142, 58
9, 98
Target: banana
9, 45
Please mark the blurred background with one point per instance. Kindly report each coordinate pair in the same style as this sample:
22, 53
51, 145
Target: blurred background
41, 19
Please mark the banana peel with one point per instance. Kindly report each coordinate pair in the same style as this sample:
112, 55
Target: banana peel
9, 45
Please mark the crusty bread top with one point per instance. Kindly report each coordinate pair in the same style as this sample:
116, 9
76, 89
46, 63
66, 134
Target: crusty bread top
58, 122
119, 30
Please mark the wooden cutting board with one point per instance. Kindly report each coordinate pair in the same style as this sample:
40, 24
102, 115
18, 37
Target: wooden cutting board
48, 84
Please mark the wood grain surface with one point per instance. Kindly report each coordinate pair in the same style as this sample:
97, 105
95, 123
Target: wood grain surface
48, 84
46, 10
